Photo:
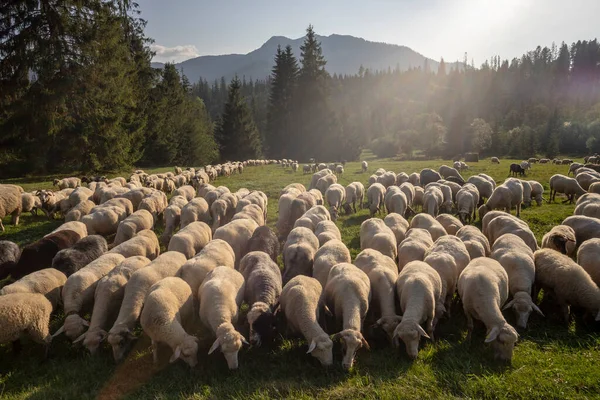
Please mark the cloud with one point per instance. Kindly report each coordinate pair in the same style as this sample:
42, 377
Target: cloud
174, 54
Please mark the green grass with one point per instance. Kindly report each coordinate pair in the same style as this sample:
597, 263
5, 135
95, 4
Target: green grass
550, 360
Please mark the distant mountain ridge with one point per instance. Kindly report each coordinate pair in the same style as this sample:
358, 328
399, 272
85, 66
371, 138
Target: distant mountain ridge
344, 54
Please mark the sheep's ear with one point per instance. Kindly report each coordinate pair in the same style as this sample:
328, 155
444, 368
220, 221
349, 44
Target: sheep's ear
537, 309
493, 335
84, 322
244, 341
422, 332
176, 354
59, 331
215, 346
103, 335
313, 345
508, 305
79, 339
365, 343
336, 336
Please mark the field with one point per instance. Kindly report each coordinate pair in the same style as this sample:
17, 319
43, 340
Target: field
550, 360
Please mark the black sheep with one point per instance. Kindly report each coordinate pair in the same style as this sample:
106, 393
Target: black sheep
86, 250
264, 239
38, 255
516, 169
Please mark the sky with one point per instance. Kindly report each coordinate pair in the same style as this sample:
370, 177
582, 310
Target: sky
184, 29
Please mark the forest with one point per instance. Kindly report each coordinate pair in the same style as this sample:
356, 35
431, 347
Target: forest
78, 93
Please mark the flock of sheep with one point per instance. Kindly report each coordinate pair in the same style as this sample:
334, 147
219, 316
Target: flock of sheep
221, 254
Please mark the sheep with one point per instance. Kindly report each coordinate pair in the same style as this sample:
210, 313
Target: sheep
594, 188
495, 160
306, 169
318, 175
537, 192
504, 196
335, 195
48, 282
78, 293
263, 287
318, 196
138, 221
256, 197
104, 221
516, 169
364, 166
124, 204
433, 198
66, 183
223, 209
339, 169
168, 311
324, 182
418, 287
399, 204
86, 250
38, 255
525, 165
155, 203
195, 210
300, 187
563, 184
312, 217
220, 296
121, 335
331, 253
467, 200
237, 233
348, 294
191, 239
172, 216
450, 223
284, 222
504, 224
25, 313
484, 187
401, 178
483, 289
372, 179
585, 179
414, 179
79, 195
375, 234
79, 211
414, 246
585, 227
186, 191
299, 253
387, 179
426, 221
574, 167
10, 203
30, 203
108, 297
448, 172
493, 214
382, 273
75, 226
453, 246
409, 191
9, 256
264, 239
560, 238
299, 304
355, 193
398, 224
375, 198
380, 171
326, 231
587, 257
571, 284
253, 212
588, 205
427, 176
136, 196
476, 243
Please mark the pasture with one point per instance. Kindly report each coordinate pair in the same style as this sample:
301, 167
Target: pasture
550, 359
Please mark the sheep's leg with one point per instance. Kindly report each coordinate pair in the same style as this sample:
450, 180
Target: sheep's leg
155, 352
518, 210
15, 218
354, 206
470, 326
565, 311
1, 225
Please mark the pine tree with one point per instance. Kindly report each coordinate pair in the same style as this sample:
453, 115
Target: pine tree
237, 134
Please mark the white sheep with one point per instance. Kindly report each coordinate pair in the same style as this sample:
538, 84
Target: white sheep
172, 217
145, 243
75, 226
220, 296
433, 198
483, 289
284, 222
568, 186
188, 192
355, 193
253, 212
331, 253
537, 192
585, 227
467, 200
299, 303
138, 221
299, 252
495, 160
10, 203
347, 295
67, 183
375, 234
560, 238
517, 259
505, 196
398, 224
48, 282
25, 314
426, 221
312, 217
121, 335
335, 195
326, 181
475, 241
414, 246
450, 223
237, 233
387, 179
104, 221
80, 210
364, 166
594, 188
375, 198
195, 210
191, 239
503, 224
401, 178
587, 256
446, 204
588, 205
326, 231
418, 287
485, 188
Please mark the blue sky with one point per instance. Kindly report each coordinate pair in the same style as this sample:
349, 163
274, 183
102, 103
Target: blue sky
185, 29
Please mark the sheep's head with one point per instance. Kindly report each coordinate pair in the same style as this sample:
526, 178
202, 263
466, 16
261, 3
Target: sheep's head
333, 211
321, 347
262, 323
120, 339
347, 209
351, 341
74, 326
388, 325
187, 351
93, 339
523, 305
481, 211
503, 339
55, 182
410, 333
230, 342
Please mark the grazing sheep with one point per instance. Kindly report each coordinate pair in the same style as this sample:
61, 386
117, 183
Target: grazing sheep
401, 178
263, 287
10, 203
326, 231
364, 166
155, 203
264, 239
121, 335
347, 295
414, 179
484, 187
570, 283
467, 200
30, 203
339, 169
585, 227
324, 182
505, 196
447, 172
372, 179
221, 295
331, 253
48, 282
563, 184
222, 210
25, 314
86, 250
517, 259
585, 179
589, 205
355, 193
560, 238
387, 179
426, 221
138, 221
9, 256
124, 204
504, 224
537, 192
285, 223
66, 183
414, 246
418, 287
253, 212
433, 198
298, 186
237, 233
495, 160
79, 211
398, 204
516, 169
299, 253
103, 221
172, 216
427, 176
450, 223
375, 198
398, 224
335, 195
483, 289
136, 196
300, 305
594, 188
196, 210
587, 257
107, 301
312, 217
375, 234
188, 192
475, 241
191, 239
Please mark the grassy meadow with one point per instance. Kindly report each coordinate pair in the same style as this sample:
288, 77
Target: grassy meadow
551, 360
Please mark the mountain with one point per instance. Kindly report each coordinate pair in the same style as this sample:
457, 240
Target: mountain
344, 55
